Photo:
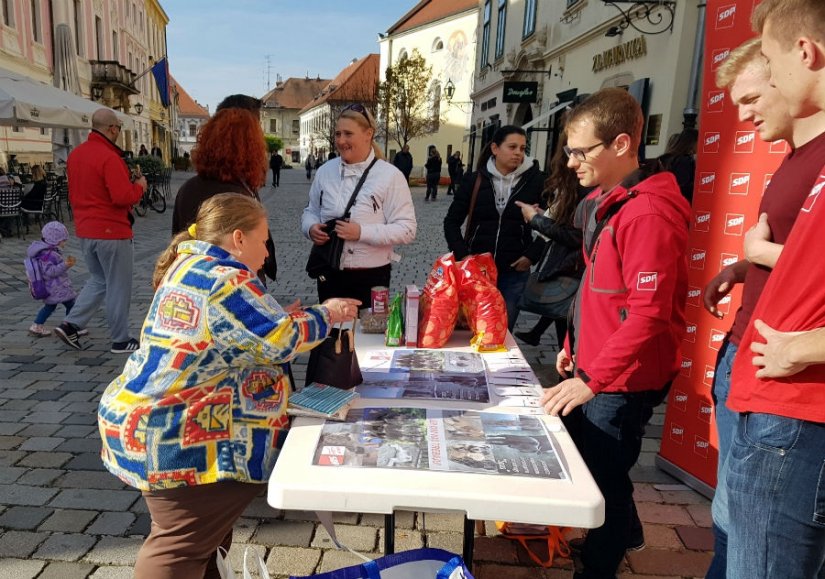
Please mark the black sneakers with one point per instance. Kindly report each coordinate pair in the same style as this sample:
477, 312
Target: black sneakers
126, 347
68, 333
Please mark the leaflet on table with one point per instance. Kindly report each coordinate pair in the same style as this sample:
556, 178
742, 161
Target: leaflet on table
425, 386
407, 360
441, 440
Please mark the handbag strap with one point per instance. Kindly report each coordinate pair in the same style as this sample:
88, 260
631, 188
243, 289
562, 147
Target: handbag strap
358, 188
473, 200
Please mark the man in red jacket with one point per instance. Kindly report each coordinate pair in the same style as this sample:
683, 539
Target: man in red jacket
102, 195
629, 312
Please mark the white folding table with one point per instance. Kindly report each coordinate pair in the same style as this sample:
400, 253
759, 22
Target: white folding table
298, 484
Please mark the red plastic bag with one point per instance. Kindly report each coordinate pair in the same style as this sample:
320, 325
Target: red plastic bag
481, 303
438, 304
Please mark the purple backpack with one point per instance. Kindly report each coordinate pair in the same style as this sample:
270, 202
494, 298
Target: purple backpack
37, 285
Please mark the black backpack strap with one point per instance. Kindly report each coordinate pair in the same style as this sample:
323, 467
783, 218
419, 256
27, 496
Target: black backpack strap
358, 188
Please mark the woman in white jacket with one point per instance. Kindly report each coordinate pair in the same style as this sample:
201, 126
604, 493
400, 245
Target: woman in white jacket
381, 217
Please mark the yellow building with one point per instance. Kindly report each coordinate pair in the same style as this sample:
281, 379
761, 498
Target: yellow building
161, 117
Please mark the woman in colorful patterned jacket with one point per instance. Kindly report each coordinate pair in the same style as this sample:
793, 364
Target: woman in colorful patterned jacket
198, 416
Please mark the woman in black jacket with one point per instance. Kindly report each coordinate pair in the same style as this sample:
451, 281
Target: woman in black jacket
562, 255
504, 175
433, 167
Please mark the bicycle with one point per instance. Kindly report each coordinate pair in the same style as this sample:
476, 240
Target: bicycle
151, 198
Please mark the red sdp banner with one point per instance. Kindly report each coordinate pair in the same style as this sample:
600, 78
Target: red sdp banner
733, 168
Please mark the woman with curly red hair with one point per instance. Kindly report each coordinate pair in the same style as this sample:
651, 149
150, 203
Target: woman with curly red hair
230, 157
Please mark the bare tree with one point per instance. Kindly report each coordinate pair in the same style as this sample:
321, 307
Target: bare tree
406, 100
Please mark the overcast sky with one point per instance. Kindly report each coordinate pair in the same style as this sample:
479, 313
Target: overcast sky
218, 48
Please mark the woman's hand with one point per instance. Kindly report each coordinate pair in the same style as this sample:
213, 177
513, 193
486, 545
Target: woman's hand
293, 307
522, 264
317, 234
527, 211
347, 230
342, 309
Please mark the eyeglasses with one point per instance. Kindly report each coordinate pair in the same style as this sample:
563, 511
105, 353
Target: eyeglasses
359, 108
581, 154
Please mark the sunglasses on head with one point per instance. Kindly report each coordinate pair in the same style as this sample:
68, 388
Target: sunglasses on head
359, 108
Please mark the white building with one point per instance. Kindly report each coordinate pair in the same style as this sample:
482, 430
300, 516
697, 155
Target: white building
190, 117
443, 32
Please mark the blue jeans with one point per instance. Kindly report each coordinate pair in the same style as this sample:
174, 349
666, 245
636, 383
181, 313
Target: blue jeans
726, 427
48, 309
608, 432
511, 284
775, 480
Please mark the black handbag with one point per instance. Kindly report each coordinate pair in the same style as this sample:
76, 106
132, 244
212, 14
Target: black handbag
551, 298
325, 259
334, 361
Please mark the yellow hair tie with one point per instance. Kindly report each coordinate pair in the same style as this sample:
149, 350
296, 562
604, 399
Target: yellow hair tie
193, 231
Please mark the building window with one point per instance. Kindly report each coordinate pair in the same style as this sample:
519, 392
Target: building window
438, 44
8, 13
115, 51
99, 47
37, 34
402, 55
485, 35
78, 27
501, 25
296, 126
193, 130
273, 125
529, 18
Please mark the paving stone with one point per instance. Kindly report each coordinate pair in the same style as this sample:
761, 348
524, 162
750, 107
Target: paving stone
696, 538
441, 522
16, 494
661, 562
90, 479
40, 430
81, 445
68, 520
86, 461
76, 431
111, 524
685, 497
403, 520
701, 515
20, 568
498, 550
260, 509
20, 543
10, 457
41, 443
236, 556
405, 540
334, 559
115, 551
45, 459
19, 405
284, 533
65, 547
24, 518
88, 419
663, 514
102, 500
9, 428
40, 476
11, 442
362, 539
61, 570
10, 474
453, 542
50, 406
293, 561
111, 572
661, 537
46, 417
242, 531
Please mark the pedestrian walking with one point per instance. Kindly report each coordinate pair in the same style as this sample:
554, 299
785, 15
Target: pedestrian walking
456, 169
433, 167
102, 194
309, 165
54, 269
276, 161
404, 161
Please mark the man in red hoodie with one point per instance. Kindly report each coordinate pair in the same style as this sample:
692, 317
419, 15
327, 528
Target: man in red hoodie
102, 195
629, 312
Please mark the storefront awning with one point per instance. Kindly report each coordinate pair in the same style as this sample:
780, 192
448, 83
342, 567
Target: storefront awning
546, 115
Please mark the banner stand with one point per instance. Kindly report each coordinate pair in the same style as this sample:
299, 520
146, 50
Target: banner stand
684, 476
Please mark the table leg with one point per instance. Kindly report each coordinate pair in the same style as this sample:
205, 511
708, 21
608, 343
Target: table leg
389, 534
469, 542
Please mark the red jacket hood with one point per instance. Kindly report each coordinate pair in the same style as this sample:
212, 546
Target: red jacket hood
661, 185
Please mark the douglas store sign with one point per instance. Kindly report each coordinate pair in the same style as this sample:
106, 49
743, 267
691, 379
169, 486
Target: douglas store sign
520, 92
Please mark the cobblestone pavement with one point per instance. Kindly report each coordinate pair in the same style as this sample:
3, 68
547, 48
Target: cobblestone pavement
62, 515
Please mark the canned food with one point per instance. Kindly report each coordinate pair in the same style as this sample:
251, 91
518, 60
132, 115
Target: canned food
380, 299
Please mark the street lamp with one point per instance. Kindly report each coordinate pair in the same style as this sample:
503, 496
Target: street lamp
449, 93
138, 108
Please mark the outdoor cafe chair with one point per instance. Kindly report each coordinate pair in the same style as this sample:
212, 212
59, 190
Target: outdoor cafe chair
10, 198
49, 210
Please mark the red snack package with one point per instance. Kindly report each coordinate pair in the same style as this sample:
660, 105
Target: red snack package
438, 305
481, 302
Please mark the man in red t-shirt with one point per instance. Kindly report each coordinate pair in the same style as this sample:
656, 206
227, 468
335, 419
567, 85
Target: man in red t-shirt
775, 472
745, 74
102, 195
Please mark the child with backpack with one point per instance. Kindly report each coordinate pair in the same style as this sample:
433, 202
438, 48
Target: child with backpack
51, 284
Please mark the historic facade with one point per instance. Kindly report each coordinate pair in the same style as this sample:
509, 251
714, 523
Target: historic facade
281, 108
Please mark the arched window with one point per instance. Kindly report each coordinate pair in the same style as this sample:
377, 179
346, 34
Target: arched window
438, 44
402, 55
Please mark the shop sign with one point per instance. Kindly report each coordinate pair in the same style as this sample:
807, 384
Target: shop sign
520, 92
617, 55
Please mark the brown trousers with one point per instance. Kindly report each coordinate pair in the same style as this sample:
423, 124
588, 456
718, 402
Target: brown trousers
188, 526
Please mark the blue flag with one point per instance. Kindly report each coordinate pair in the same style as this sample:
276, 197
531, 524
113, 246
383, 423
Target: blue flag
161, 73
